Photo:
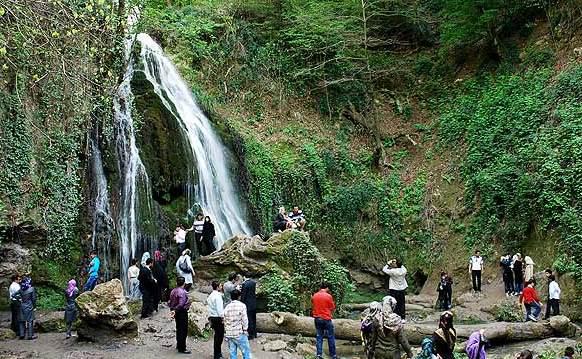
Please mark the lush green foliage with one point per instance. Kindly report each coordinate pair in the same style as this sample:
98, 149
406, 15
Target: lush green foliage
523, 163
281, 295
509, 312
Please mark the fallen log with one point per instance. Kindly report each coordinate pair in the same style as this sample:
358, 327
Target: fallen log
496, 332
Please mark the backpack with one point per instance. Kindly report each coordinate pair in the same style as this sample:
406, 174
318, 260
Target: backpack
184, 267
427, 351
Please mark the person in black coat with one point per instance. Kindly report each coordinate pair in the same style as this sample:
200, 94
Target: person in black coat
208, 234
161, 278
249, 298
147, 287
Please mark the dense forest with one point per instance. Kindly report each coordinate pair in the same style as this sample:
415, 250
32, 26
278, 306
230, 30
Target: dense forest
421, 129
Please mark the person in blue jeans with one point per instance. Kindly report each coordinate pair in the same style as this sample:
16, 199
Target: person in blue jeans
93, 272
236, 326
323, 307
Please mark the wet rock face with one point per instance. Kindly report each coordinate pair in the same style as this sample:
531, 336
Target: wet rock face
104, 313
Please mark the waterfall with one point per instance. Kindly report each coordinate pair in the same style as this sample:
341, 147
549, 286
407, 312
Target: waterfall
136, 207
102, 221
214, 191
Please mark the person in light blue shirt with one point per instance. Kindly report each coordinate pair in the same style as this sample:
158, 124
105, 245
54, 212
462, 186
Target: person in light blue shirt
93, 272
216, 317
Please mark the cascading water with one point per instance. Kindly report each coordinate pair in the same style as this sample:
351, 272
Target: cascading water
214, 191
136, 207
102, 221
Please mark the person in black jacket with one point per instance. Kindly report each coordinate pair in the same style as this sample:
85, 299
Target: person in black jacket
208, 234
161, 277
147, 287
445, 337
518, 274
249, 298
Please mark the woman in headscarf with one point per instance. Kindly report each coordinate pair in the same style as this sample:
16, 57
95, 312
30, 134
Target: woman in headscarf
28, 304
132, 275
161, 277
388, 334
208, 234
529, 268
445, 337
369, 316
71, 293
476, 345
185, 269
144, 258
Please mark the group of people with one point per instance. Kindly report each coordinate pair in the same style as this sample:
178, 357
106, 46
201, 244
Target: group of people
204, 235
517, 271
292, 220
532, 302
232, 312
149, 281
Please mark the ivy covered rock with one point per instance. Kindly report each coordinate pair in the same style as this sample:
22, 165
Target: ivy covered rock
289, 267
104, 313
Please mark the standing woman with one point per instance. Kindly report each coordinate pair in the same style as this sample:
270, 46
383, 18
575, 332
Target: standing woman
445, 337
71, 293
388, 333
208, 234
529, 268
132, 274
28, 304
518, 274
184, 269
161, 277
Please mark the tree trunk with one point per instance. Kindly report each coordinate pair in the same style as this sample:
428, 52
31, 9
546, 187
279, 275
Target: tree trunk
498, 332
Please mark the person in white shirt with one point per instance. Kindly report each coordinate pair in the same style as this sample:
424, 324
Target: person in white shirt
13, 296
180, 237
476, 270
198, 225
185, 269
216, 317
397, 285
132, 274
554, 291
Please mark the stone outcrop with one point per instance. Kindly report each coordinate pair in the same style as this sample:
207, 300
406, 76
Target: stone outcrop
197, 319
104, 313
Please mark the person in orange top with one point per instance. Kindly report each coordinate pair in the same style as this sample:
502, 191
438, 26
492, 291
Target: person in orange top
531, 301
323, 308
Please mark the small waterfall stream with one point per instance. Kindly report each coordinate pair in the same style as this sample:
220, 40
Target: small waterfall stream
214, 191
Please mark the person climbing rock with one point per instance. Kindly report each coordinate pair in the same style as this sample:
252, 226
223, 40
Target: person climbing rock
297, 217
179, 305
147, 287
93, 272
180, 237
229, 286
236, 324
529, 268
388, 335
71, 294
397, 285
132, 274
445, 337
531, 301
216, 317
323, 307
554, 291
208, 235
184, 269
27, 307
14, 297
507, 272
249, 298
198, 227
476, 271
476, 345
518, 274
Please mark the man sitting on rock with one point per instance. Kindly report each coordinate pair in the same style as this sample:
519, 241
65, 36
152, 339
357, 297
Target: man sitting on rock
298, 218
179, 305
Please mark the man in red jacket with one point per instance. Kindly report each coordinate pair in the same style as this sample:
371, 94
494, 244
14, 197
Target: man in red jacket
531, 301
323, 307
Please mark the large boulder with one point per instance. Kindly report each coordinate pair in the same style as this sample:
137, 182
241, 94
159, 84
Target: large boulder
197, 319
50, 322
104, 313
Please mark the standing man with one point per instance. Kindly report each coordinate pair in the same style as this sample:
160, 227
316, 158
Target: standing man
180, 238
93, 271
198, 226
397, 285
147, 287
230, 286
179, 305
14, 296
249, 298
216, 317
236, 324
554, 291
476, 271
323, 308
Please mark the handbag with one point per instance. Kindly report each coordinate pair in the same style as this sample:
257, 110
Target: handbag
184, 267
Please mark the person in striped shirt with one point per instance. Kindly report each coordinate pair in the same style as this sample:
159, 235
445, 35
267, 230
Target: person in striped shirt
236, 325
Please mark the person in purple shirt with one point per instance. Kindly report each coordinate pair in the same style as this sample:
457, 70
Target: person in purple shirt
179, 305
476, 345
